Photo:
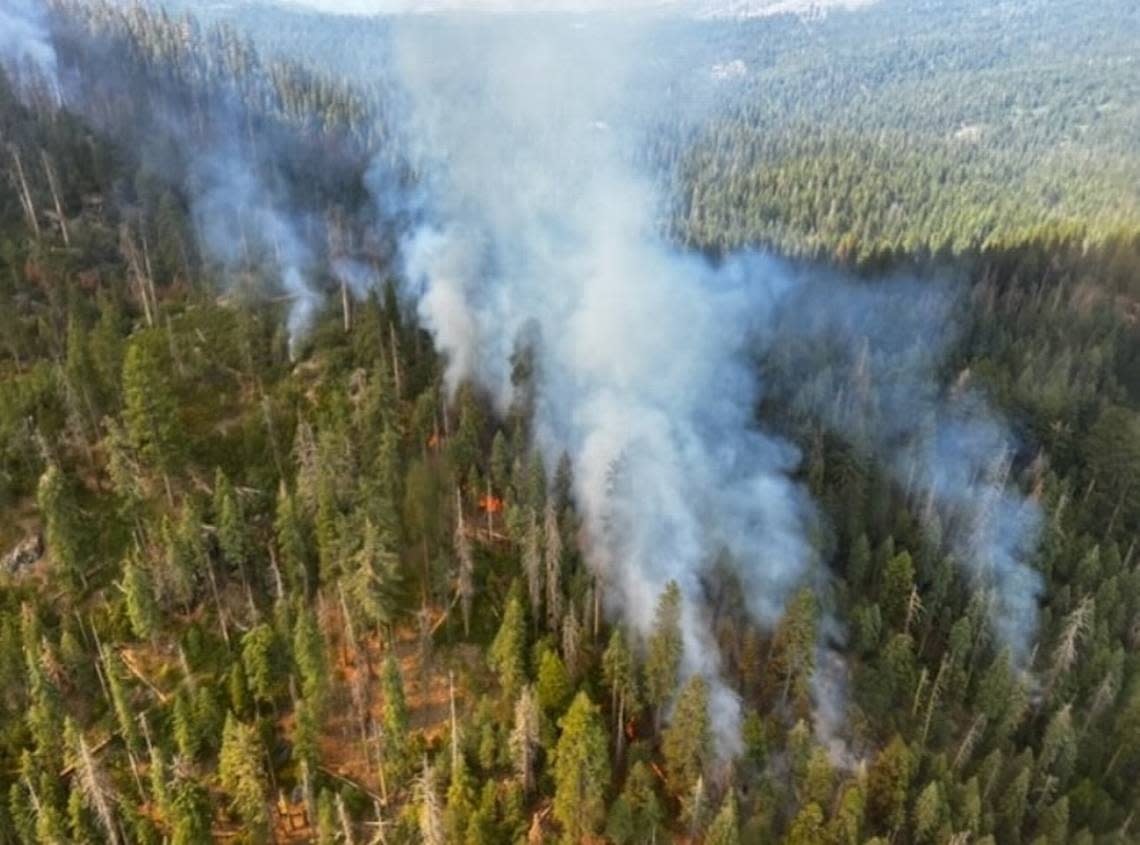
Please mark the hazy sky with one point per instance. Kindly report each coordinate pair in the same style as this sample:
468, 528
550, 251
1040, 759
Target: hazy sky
698, 7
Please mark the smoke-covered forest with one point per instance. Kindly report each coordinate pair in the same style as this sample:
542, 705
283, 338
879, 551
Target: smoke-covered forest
570, 427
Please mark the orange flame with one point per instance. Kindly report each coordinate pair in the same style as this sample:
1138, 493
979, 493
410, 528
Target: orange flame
491, 504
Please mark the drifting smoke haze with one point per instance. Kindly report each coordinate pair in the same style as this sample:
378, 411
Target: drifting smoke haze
236, 215
867, 359
24, 40
533, 223
541, 227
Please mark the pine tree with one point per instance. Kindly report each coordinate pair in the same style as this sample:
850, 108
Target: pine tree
306, 738
242, 775
620, 676
311, 656
93, 784
185, 726
506, 654
887, 784
431, 816
581, 771
898, 582
374, 579
532, 567
460, 802
795, 646
572, 647
124, 712
142, 610
928, 811
553, 566
554, 685
500, 462
190, 823
524, 739
44, 713
807, 826
663, 658
640, 804
395, 714
465, 577
326, 819
725, 829
150, 411
687, 741
230, 522
291, 543
62, 533
259, 651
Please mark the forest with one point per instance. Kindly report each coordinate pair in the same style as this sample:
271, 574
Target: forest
270, 571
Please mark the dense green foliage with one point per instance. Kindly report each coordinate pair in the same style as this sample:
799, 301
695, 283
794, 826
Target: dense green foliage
278, 597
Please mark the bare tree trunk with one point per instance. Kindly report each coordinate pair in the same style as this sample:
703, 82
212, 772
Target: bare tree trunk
454, 722
394, 344
130, 251
53, 184
346, 305
620, 734
25, 195
217, 601
149, 271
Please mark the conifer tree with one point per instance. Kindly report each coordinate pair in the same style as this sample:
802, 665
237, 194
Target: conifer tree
506, 654
725, 829
581, 771
554, 686
553, 566
142, 610
663, 658
887, 785
620, 676
795, 646
230, 522
524, 739
259, 659
311, 656
395, 714
242, 775
291, 543
62, 533
532, 566
687, 741
150, 411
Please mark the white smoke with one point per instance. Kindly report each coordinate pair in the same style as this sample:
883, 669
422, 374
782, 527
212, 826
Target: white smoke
544, 229
690, 8
25, 45
541, 227
246, 228
866, 358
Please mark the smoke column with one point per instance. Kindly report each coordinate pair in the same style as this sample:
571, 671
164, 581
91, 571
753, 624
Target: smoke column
535, 221
540, 226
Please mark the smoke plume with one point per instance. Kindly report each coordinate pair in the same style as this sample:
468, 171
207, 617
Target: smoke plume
243, 226
534, 220
542, 228
868, 359
25, 44
541, 225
